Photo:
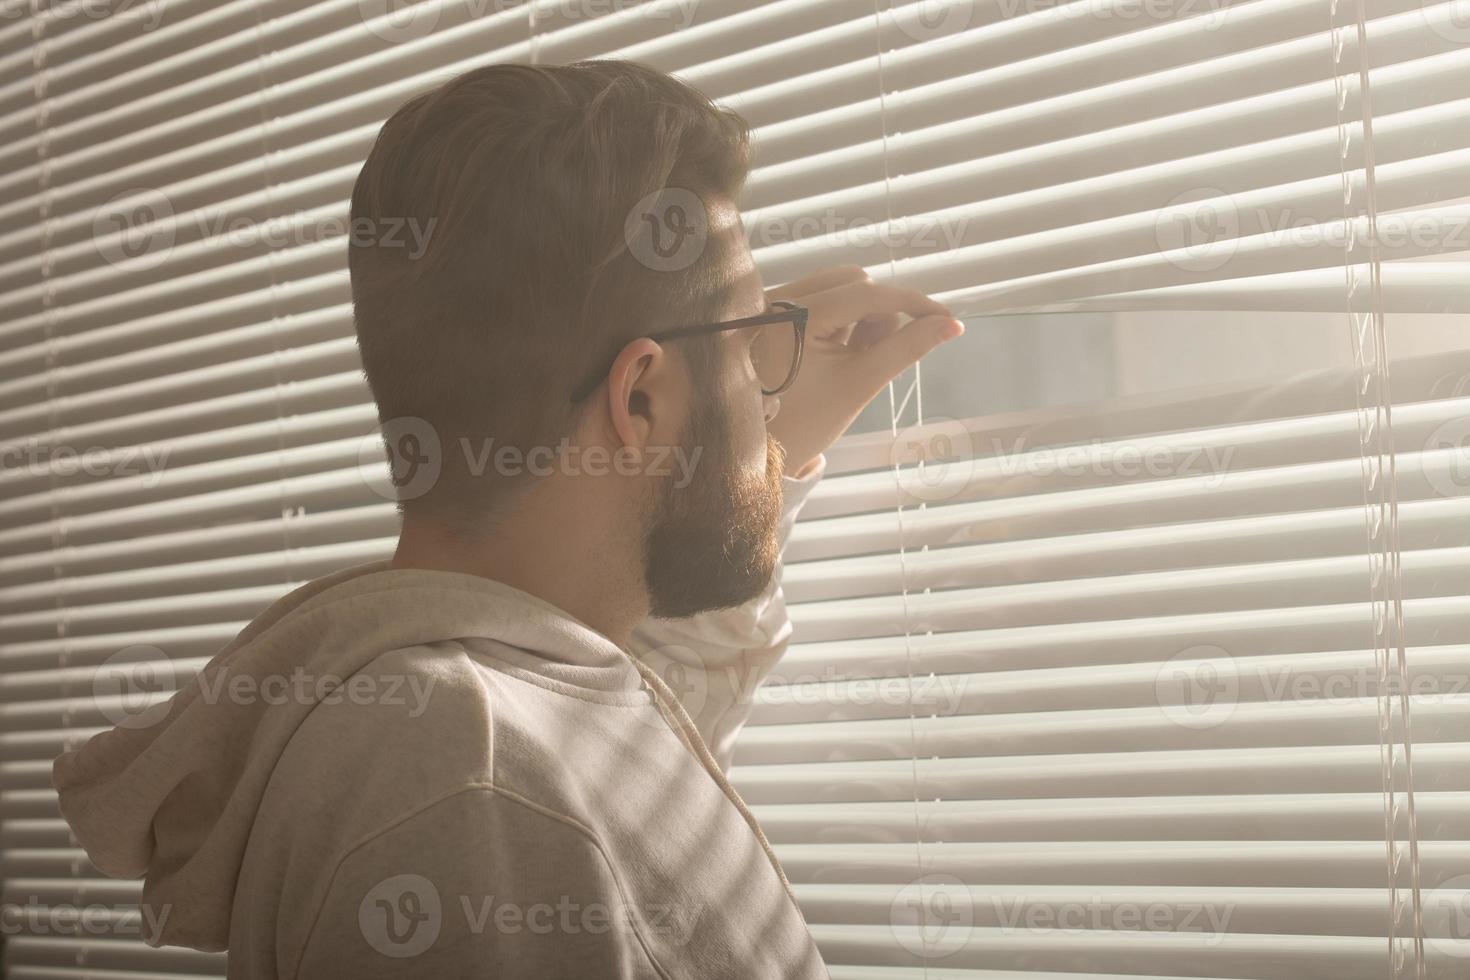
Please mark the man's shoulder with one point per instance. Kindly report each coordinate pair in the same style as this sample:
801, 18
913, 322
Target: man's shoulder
417, 715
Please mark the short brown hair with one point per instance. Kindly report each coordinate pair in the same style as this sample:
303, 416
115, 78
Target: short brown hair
524, 176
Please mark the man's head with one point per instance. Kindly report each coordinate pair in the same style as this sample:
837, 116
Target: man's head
568, 212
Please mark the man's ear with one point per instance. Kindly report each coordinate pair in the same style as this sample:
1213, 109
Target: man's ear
642, 393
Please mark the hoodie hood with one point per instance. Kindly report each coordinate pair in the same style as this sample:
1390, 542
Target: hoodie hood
170, 794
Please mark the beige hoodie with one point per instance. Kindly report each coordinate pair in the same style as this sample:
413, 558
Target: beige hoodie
407, 773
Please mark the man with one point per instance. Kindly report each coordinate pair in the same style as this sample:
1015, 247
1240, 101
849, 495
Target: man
479, 768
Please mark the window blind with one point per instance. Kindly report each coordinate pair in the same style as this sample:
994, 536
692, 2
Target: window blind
1036, 755
187, 437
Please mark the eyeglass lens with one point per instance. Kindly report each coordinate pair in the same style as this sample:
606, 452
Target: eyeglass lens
774, 353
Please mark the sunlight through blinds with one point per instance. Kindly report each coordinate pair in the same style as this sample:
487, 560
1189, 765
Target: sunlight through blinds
975, 722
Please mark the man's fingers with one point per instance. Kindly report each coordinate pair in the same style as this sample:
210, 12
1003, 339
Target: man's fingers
835, 308
899, 350
817, 282
868, 332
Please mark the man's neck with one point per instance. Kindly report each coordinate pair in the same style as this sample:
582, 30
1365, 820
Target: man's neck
592, 577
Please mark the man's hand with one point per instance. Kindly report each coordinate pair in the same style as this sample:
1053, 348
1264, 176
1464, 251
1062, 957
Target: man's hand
855, 345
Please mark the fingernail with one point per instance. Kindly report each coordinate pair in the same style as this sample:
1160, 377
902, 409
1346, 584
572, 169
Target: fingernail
954, 329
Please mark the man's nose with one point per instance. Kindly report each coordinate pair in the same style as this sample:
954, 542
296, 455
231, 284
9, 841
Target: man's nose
773, 405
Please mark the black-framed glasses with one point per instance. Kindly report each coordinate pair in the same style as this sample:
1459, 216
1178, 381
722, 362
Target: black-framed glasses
776, 352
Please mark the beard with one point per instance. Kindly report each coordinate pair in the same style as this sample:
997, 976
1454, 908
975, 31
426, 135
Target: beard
713, 543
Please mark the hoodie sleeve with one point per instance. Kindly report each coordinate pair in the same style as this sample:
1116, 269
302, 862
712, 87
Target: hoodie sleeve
715, 661
403, 905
